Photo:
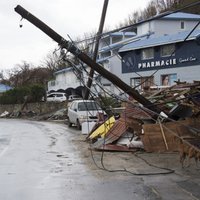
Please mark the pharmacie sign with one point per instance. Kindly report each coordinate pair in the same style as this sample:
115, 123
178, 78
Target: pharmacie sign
166, 63
157, 63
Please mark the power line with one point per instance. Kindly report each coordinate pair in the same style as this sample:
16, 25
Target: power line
125, 28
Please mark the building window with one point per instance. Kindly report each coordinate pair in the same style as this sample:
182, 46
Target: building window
147, 53
168, 79
182, 25
142, 82
106, 54
52, 83
116, 39
168, 50
136, 83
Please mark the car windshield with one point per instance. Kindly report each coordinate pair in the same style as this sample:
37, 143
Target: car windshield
84, 106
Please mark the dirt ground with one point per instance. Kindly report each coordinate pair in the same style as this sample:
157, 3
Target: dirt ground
66, 168
162, 172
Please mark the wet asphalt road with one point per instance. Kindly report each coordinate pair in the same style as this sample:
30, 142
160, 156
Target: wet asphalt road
39, 161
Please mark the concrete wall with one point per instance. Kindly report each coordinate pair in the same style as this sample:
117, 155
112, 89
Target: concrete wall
161, 27
39, 108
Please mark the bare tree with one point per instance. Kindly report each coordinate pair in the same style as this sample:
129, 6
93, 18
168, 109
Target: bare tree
155, 7
19, 74
54, 61
150, 11
26, 74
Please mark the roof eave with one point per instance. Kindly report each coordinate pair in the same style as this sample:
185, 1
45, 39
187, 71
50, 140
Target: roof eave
155, 45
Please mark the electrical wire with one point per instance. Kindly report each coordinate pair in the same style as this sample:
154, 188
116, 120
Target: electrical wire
167, 170
153, 18
156, 70
106, 91
128, 62
143, 108
124, 170
156, 17
113, 95
176, 49
102, 167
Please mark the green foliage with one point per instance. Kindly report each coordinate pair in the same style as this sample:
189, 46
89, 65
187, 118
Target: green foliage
33, 93
37, 92
14, 96
109, 102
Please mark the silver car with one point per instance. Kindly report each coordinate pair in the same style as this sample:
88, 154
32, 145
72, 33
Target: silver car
57, 96
83, 111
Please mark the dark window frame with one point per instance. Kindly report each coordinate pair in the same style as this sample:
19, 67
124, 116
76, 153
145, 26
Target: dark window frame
165, 48
144, 53
182, 25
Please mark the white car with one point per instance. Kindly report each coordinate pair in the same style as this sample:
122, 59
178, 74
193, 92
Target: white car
57, 96
83, 111
74, 97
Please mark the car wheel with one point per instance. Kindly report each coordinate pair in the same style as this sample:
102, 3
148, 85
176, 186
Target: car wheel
78, 125
69, 123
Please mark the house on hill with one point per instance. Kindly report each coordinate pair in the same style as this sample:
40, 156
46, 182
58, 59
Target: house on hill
4, 88
67, 81
168, 54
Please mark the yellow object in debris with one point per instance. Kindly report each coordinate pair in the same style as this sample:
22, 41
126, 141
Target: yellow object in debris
103, 128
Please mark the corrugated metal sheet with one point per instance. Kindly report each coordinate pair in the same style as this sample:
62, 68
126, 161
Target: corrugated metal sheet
157, 41
121, 126
181, 15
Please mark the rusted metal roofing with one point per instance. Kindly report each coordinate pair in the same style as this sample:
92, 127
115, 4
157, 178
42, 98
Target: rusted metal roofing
117, 130
179, 102
120, 127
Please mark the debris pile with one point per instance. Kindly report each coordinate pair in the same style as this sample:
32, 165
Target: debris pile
140, 128
178, 101
4, 114
56, 115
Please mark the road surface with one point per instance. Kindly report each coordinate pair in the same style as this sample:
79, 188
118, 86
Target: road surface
48, 161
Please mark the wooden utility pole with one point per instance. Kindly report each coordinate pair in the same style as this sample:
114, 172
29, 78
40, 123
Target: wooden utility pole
98, 37
86, 59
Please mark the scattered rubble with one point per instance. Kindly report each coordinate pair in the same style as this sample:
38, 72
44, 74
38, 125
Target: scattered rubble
170, 105
57, 115
180, 105
139, 128
4, 114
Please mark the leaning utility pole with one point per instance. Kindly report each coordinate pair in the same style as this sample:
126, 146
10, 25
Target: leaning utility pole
86, 59
98, 37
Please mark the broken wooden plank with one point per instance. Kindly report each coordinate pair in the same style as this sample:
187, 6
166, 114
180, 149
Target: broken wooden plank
153, 140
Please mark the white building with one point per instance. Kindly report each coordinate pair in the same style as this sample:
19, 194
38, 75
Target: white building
168, 54
158, 51
66, 81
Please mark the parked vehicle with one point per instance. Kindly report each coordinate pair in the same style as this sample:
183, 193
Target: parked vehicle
74, 97
83, 111
57, 96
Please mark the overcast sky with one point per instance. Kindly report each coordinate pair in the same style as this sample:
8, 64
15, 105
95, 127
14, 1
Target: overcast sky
66, 17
